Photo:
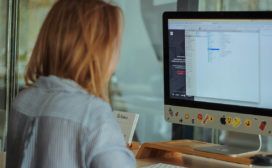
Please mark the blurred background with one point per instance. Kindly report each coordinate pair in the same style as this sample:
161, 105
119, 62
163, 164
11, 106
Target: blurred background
137, 85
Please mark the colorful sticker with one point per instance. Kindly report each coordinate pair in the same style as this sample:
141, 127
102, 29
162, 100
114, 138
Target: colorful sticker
229, 120
206, 119
262, 125
200, 116
211, 118
248, 123
187, 116
170, 112
176, 114
236, 122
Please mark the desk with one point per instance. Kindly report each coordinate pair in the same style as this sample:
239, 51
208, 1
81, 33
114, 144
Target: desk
183, 153
185, 160
191, 161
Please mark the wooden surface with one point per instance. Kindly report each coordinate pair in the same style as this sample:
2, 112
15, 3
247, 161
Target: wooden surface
190, 161
182, 152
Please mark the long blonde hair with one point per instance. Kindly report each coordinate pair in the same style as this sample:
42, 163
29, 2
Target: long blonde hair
79, 40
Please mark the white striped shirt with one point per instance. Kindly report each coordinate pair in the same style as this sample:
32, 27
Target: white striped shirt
57, 124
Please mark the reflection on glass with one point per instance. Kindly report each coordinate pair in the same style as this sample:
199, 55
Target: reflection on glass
152, 17
32, 15
3, 16
138, 82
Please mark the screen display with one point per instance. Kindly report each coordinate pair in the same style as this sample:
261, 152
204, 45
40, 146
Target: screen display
221, 61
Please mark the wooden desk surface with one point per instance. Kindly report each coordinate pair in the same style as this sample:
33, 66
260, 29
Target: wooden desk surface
191, 162
185, 160
148, 155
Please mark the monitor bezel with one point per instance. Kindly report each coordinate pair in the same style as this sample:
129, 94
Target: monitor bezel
206, 105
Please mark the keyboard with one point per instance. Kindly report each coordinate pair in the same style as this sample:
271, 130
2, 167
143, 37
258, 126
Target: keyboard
162, 165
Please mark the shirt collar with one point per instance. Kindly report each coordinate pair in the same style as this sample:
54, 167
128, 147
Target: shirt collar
55, 83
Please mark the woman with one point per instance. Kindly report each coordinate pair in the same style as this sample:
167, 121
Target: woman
62, 119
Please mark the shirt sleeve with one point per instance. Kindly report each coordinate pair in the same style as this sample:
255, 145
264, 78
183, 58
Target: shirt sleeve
106, 147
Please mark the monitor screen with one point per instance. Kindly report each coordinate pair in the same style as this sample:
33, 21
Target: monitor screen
219, 62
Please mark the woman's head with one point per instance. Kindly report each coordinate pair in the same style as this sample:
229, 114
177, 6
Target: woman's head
79, 40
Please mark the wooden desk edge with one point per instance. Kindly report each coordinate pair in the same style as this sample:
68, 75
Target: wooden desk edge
177, 148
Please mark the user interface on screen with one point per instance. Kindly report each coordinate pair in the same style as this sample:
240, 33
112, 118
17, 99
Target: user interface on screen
221, 61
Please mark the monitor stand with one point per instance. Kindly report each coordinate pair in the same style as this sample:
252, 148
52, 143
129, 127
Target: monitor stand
176, 149
232, 150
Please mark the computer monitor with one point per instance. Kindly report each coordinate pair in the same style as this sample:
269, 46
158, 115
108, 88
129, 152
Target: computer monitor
218, 70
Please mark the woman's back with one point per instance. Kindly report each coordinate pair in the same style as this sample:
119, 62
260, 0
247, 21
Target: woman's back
56, 123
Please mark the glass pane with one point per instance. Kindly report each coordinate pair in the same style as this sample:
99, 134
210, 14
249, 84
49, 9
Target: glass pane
3, 32
32, 15
138, 83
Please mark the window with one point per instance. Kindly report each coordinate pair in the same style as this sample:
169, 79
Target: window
137, 84
3, 31
32, 14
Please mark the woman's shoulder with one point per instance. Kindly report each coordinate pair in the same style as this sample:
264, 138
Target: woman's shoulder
86, 109
77, 107
99, 112
81, 108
